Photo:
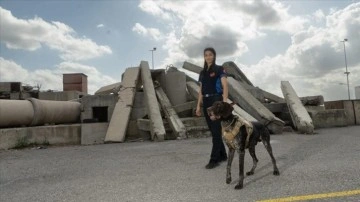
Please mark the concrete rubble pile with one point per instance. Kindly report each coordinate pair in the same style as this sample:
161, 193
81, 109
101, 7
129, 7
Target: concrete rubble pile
160, 105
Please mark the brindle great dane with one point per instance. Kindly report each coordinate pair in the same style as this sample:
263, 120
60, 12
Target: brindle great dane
241, 139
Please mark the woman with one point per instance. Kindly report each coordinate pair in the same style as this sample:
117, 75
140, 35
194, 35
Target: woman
213, 87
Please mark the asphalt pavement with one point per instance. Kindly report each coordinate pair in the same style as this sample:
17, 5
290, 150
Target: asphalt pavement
326, 163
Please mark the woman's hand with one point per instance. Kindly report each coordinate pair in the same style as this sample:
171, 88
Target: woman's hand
198, 111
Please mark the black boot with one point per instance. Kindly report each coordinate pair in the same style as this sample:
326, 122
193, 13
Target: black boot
211, 165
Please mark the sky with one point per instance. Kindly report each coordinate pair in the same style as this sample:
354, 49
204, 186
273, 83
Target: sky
271, 41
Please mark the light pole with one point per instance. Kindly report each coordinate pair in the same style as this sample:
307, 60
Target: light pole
347, 73
152, 56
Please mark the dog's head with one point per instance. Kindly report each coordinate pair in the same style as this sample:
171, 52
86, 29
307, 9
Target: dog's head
220, 110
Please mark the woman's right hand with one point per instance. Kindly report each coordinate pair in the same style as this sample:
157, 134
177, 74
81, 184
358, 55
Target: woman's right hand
198, 111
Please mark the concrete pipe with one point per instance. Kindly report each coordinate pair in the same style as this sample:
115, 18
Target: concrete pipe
15, 113
54, 112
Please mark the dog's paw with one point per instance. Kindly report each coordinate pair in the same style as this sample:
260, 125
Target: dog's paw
228, 180
250, 173
276, 172
239, 186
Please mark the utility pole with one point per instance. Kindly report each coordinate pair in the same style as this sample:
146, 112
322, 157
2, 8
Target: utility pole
152, 56
346, 72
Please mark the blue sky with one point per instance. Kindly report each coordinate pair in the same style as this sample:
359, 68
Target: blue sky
271, 41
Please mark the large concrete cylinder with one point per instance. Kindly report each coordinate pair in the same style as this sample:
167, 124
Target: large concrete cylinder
54, 112
175, 86
15, 113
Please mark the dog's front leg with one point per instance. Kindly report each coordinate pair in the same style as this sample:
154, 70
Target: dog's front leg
241, 169
228, 168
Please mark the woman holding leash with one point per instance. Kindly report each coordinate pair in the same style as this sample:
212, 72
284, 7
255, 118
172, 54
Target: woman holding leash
213, 87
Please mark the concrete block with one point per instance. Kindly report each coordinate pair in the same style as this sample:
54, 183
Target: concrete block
138, 113
53, 135
93, 133
88, 102
330, 118
139, 100
175, 82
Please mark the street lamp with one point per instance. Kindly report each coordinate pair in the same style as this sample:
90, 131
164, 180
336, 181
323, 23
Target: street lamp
152, 56
347, 73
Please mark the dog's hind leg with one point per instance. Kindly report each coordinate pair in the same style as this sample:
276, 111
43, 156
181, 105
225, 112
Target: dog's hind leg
228, 168
255, 160
266, 141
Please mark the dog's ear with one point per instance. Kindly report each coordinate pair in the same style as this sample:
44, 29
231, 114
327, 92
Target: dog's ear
227, 109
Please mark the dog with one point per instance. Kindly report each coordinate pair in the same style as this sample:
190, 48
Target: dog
240, 134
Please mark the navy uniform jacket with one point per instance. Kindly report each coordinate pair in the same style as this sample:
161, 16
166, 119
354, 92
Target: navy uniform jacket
211, 80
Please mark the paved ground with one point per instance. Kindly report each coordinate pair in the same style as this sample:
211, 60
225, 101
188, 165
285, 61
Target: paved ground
174, 171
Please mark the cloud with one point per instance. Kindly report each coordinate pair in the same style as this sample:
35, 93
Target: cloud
100, 25
52, 79
225, 25
314, 62
153, 8
32, 34
151, 32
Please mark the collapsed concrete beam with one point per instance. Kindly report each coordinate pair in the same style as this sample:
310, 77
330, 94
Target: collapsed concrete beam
194, 88
120, 118
112, 88
175, 123
157, 126
300, 117
255, 91
191, 67
184, 107
312, 100
254, 107
234, 71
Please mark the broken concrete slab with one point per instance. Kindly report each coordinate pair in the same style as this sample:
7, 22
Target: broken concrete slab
300, 117
175, 123
186, 106
112, 88
120, 118
157, 125
93, 133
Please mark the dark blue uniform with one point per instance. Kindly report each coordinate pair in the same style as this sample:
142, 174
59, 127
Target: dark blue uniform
212, 91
